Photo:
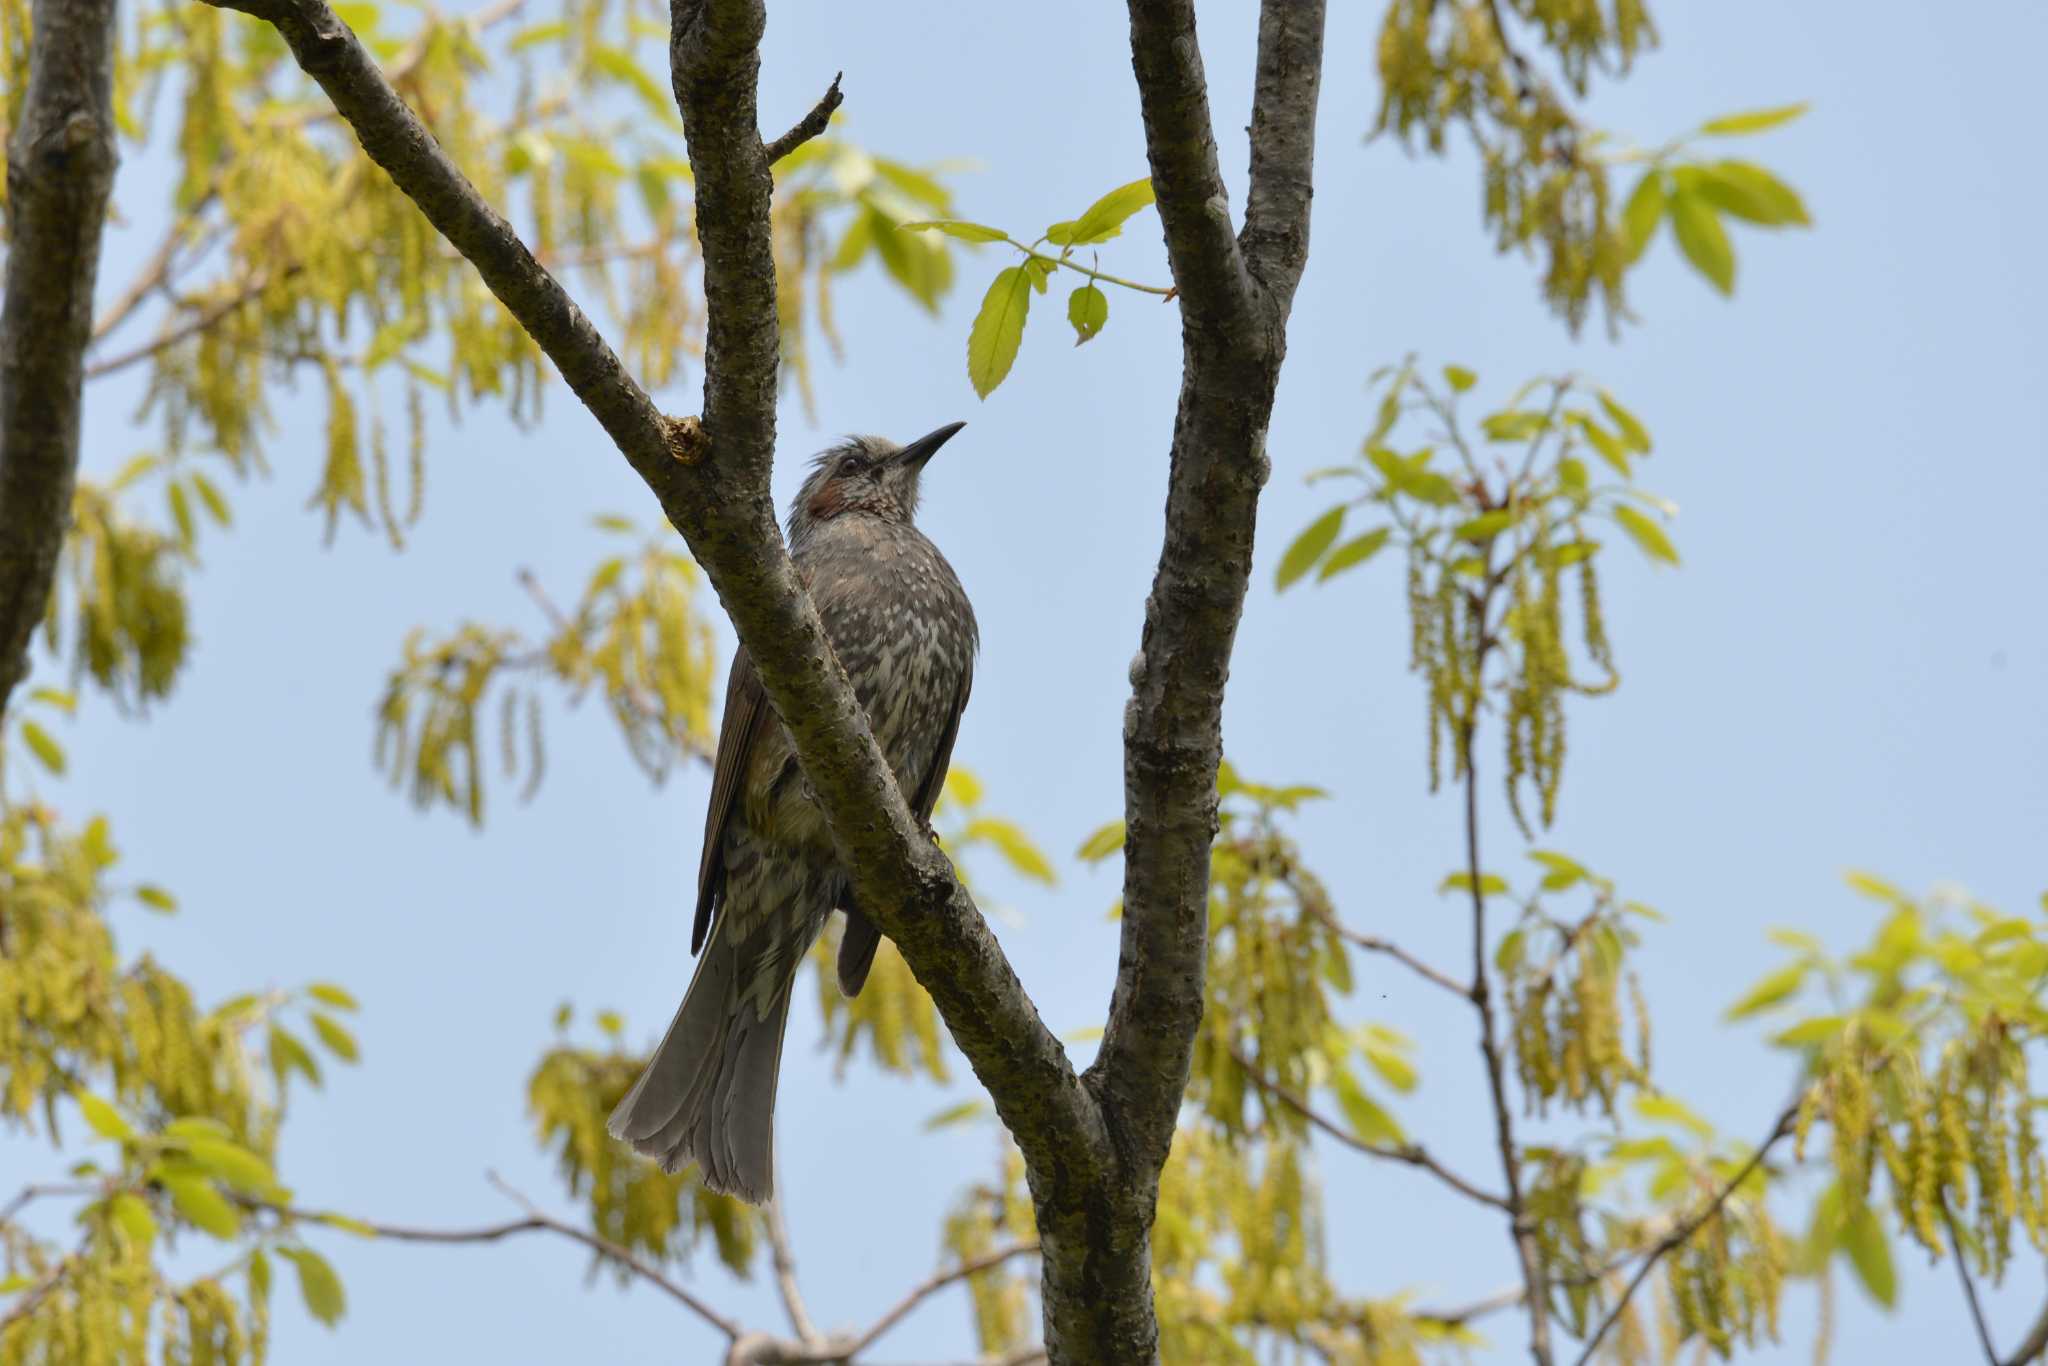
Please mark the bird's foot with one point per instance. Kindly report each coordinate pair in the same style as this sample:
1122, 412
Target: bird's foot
925, 824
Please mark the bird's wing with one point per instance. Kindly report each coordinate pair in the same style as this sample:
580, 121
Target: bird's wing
746, 711
858, 944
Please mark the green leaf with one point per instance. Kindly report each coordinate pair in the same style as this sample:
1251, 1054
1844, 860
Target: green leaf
1876, 888
1368, 1120
1087, 310
957, 1114
1775, 987
156, 898
1393, 1068
1514, 425
1313, 542
1507, 956
1704, 241
216, 503
63, 701
199, 1204
1490, 884
103, 1118
1646, 534
1459, 378
232, 1163
45, 749
611, 1022
1354, 552
339, 1041
1014, 845
333, 995
1632, 429
1753, 194
1870, 1252
1643, 212
348, 1224
1485, 526
288, 1055
1819, 1029
1667, 1110
954, 227
181, 513
318, 1284
1753, 121
1107, 840
1560, 872
998, 329
1104, 218
259, 1276
131, 1214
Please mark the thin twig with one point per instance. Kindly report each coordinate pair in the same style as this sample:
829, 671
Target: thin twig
1685, 1228
26, 1305
785, 1270
810, 125
1527, 1253
155, 271
1374, 944
43, 1190
2033, 1345
1411, 1153
1969, 1286
192, 326
932, 1285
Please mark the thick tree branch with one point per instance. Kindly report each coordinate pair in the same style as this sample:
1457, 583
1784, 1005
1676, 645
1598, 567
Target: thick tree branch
711, 478
1180, 144
1232, 343
60, 172
1276, 217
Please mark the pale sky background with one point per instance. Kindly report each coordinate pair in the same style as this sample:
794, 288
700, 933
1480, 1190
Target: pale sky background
1848, 670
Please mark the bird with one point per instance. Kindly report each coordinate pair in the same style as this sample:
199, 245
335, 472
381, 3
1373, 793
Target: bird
900, 622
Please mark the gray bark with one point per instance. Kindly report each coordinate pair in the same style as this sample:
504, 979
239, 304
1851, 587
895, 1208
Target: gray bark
1093, 1146
60, 172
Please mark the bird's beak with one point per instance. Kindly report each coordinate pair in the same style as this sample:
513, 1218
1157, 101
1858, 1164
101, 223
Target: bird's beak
925, 447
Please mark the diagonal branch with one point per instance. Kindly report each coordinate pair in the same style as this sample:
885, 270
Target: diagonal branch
60, 173
1685, 1228
809, 126
711, 478
931, 1286
1372, 943
1276, 217
1955, 1239
1414, 1154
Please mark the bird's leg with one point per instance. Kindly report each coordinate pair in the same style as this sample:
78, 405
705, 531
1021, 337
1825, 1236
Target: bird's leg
925, 823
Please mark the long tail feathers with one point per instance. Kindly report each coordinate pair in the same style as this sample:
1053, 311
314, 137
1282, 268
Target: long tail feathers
708, 1093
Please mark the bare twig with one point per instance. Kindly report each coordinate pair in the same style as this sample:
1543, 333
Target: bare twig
1374, 944
1685, 1228
932, 1285
2033, 1345
1411, 1153
810, 125
28, 1195
785, 1270
1527, 1252
154, 273
534, 1222
191, 327
1969, 1286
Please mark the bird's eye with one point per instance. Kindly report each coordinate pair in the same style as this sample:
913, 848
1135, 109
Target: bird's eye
849, 464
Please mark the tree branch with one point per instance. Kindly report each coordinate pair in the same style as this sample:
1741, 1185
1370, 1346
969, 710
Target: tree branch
1528, 1254
931, 1286
1283, 133
809, 126
1374, 944
784, 1258
1098, 1303
711, 478
60, 173
1180, 144
1411, 1153
2033, 1345
1969, 1286
1685, 1228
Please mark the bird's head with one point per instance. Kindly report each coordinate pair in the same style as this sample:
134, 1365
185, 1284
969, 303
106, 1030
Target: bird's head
871, 475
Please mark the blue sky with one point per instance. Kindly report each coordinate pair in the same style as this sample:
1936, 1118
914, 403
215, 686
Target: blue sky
1847, 671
